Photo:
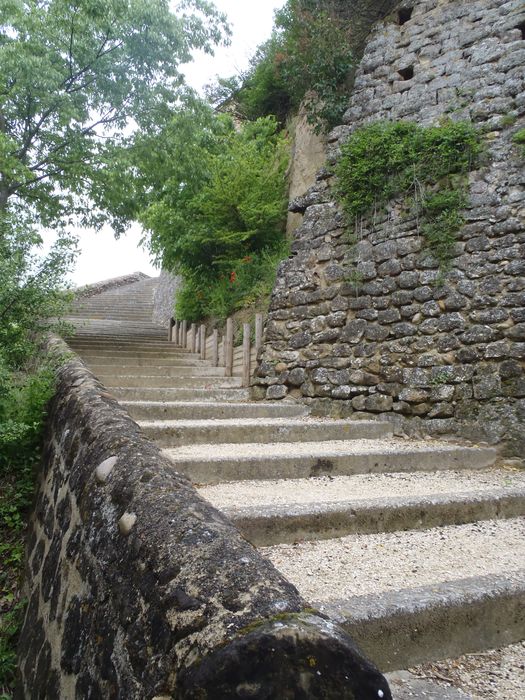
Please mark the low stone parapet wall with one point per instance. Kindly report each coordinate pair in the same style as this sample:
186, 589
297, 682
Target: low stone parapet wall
91, 290
139, 588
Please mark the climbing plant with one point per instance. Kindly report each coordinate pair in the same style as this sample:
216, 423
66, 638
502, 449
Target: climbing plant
428, 166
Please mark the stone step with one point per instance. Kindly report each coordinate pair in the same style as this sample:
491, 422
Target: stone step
120, 380
193, 410
211, 464
276, 512
156, 370
121, 316
140, 353
138, 361
267, 430
181, 394
416, 596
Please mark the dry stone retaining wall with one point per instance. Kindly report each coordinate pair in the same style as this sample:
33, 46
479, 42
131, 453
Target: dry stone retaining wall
164, 298
446, 359
140, 589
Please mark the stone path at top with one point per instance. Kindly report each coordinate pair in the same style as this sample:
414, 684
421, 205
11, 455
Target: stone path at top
416, 547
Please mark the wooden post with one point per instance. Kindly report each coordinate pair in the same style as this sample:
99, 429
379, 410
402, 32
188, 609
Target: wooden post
215, 348
184, 334
228, 348
203, 341
194, 337
259, 325
246, 348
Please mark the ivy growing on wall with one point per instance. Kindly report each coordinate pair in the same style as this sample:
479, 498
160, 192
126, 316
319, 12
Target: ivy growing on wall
427, 166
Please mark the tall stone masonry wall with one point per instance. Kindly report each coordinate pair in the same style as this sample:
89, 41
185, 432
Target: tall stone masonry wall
439, 358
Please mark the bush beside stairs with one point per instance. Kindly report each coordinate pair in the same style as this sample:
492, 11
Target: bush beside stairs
416, 547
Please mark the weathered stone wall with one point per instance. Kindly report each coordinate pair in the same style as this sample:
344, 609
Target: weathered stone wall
139, 589
445, 359
164, 298
91, 290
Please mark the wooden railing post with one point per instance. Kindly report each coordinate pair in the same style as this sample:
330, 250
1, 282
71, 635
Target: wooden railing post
193, 337
215, 348
259, 325
203, 341
246, 349
184, 334
228, 348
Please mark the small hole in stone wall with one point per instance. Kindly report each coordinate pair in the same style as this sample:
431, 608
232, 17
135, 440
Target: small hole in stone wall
407, 73
405, 14
521, 27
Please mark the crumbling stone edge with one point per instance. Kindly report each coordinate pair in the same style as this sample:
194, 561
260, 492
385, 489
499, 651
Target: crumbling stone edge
91, 290
139, 588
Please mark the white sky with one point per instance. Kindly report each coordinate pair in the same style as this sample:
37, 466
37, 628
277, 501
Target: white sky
102, 256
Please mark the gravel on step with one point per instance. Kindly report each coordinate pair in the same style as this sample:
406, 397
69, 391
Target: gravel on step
498, 674
220, 451
355, 565
326, 489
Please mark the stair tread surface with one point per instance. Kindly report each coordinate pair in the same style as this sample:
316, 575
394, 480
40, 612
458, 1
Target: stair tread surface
324, 492
359, 565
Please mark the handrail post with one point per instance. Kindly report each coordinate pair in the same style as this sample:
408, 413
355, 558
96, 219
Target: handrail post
246, 349
176, 334
215, 348
184, 335
259, 326
193, 337
203, 341
228, 348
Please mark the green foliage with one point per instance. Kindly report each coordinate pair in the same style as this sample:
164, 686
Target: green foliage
519, 139
30, 299
23, 400
308, 58
249, 280
31, 296
220, 200
74, 74
427, 165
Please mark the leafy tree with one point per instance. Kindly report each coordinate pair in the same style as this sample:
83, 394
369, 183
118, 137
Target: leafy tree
222, 198
74, 75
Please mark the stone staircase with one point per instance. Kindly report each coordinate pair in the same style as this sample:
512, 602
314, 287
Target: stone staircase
416, 547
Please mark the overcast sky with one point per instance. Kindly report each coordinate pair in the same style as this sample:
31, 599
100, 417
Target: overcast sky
104, 257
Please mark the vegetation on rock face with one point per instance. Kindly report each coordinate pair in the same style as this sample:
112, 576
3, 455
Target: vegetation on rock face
308, 59
425, 165
519, 139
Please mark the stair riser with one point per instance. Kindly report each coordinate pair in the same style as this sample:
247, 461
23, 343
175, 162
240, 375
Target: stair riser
153, 370
174, 436
434, 624
144, 357
188, 411
211, 395
136, 364
170, 382
279, 527
304, 467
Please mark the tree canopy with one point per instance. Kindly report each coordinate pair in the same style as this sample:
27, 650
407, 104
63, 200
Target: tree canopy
75, 75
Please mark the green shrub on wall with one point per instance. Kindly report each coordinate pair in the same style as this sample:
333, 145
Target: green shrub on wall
428, 166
